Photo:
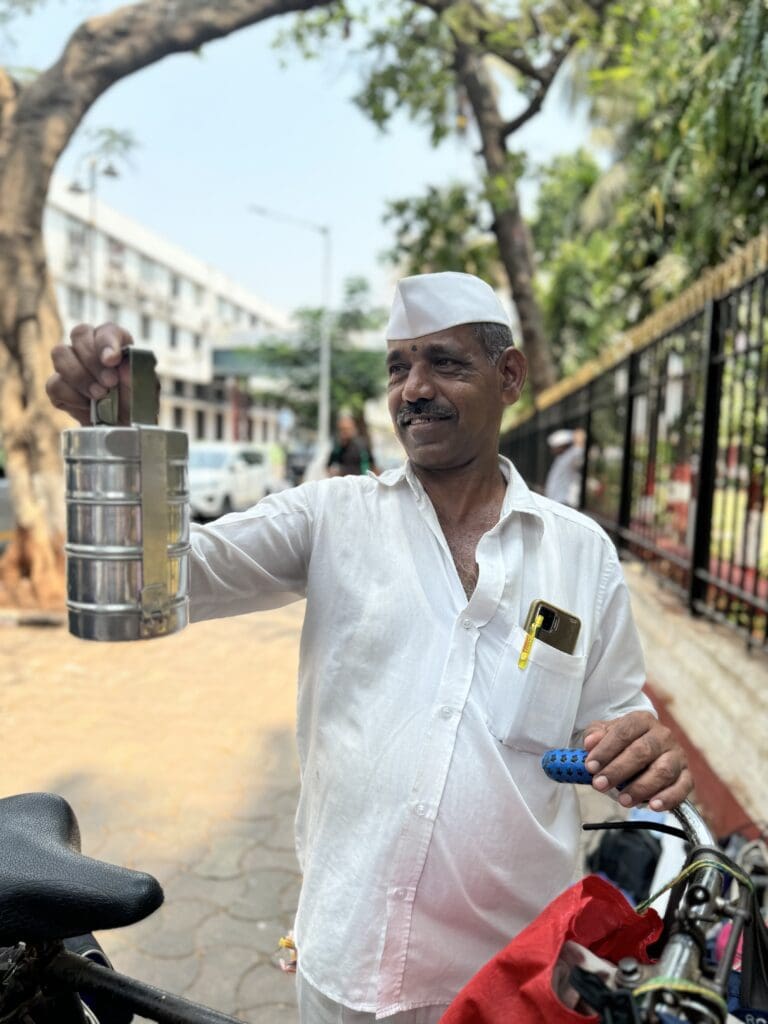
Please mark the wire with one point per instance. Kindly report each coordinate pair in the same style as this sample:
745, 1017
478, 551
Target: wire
689, 870
678, 985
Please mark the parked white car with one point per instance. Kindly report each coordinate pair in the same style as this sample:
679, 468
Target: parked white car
226, 477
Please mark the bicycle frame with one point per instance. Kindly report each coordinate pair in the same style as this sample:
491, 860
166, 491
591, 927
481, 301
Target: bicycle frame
42, 984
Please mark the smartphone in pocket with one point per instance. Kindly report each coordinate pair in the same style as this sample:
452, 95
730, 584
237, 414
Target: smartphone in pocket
559, 629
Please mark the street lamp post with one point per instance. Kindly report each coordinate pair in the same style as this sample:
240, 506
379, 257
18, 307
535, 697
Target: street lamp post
324, 384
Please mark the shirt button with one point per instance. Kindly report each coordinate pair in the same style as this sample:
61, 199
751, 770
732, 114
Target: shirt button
446, 712
467, 623
399, 894
420, 809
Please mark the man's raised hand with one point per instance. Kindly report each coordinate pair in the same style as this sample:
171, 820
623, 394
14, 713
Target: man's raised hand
638, 747
88, 368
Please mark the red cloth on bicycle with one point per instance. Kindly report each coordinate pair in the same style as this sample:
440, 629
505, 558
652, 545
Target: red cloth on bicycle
516, 985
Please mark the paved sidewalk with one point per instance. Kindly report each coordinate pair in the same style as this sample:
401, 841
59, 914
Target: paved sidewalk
178, 758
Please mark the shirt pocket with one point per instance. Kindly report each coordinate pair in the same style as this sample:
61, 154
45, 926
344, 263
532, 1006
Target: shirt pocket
534, 708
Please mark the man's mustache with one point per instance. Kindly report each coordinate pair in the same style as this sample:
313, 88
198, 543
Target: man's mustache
412, 410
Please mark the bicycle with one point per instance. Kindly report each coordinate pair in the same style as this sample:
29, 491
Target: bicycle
683, 986
49, 891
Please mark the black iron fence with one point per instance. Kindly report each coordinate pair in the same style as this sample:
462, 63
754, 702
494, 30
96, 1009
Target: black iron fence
676, 422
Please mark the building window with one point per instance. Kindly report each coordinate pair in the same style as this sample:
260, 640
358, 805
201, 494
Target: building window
219, 426
77, 240
201, 392
175, 286
146, 327
147, 269
115, 254
197, 341
113, 312
249, 428
199, 424
265, 429
76, 303
253, 320
199, 293
173, 335
178, 417
178, 387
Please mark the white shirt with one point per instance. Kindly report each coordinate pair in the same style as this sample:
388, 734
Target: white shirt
427, 833
563, 481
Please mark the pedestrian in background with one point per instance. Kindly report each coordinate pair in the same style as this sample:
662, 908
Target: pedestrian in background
563, 481
350, 456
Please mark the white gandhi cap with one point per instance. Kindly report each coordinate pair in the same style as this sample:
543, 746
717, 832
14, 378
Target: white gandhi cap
427, 303
560, 438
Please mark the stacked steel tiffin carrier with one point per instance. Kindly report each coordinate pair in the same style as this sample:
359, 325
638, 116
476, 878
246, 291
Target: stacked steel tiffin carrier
127, 518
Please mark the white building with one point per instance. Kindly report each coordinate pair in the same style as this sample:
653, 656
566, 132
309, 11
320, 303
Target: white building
106, 266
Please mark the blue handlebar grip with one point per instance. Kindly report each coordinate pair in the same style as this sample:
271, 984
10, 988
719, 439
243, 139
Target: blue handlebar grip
566, 765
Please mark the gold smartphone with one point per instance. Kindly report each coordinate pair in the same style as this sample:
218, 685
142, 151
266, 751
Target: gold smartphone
559, 629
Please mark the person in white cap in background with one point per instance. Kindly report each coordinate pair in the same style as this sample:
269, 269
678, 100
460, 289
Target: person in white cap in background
563, 481
426, 831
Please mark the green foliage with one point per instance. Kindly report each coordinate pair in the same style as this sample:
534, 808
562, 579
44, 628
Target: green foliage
679, 89
677, 92
579, 294
564, 185
411, 69
682, 87
311, 31
357, 373
445, 229
111, 143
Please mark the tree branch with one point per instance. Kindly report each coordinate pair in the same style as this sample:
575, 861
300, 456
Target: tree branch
530, 111
485, 25
535, 105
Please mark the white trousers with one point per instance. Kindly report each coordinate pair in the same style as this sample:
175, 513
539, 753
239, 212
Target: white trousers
315, 1008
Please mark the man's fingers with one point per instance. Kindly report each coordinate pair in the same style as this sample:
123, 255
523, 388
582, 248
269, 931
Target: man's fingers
100, 350
640, 754
673, 795
66, 398
73, 372
111, 342
594, 733
632, 761
619, 736
660, 776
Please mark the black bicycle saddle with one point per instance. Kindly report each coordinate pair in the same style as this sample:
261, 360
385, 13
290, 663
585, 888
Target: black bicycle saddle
48, 888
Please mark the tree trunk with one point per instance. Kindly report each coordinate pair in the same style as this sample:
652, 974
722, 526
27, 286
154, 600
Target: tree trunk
511, 231
36, 123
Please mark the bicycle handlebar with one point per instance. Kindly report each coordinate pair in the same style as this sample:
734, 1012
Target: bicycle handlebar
677, 981
566, 765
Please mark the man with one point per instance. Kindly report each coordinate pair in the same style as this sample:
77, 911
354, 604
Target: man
563, 481
350, 454
426, 830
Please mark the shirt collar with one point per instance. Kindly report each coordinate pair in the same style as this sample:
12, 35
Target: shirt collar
518, 497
